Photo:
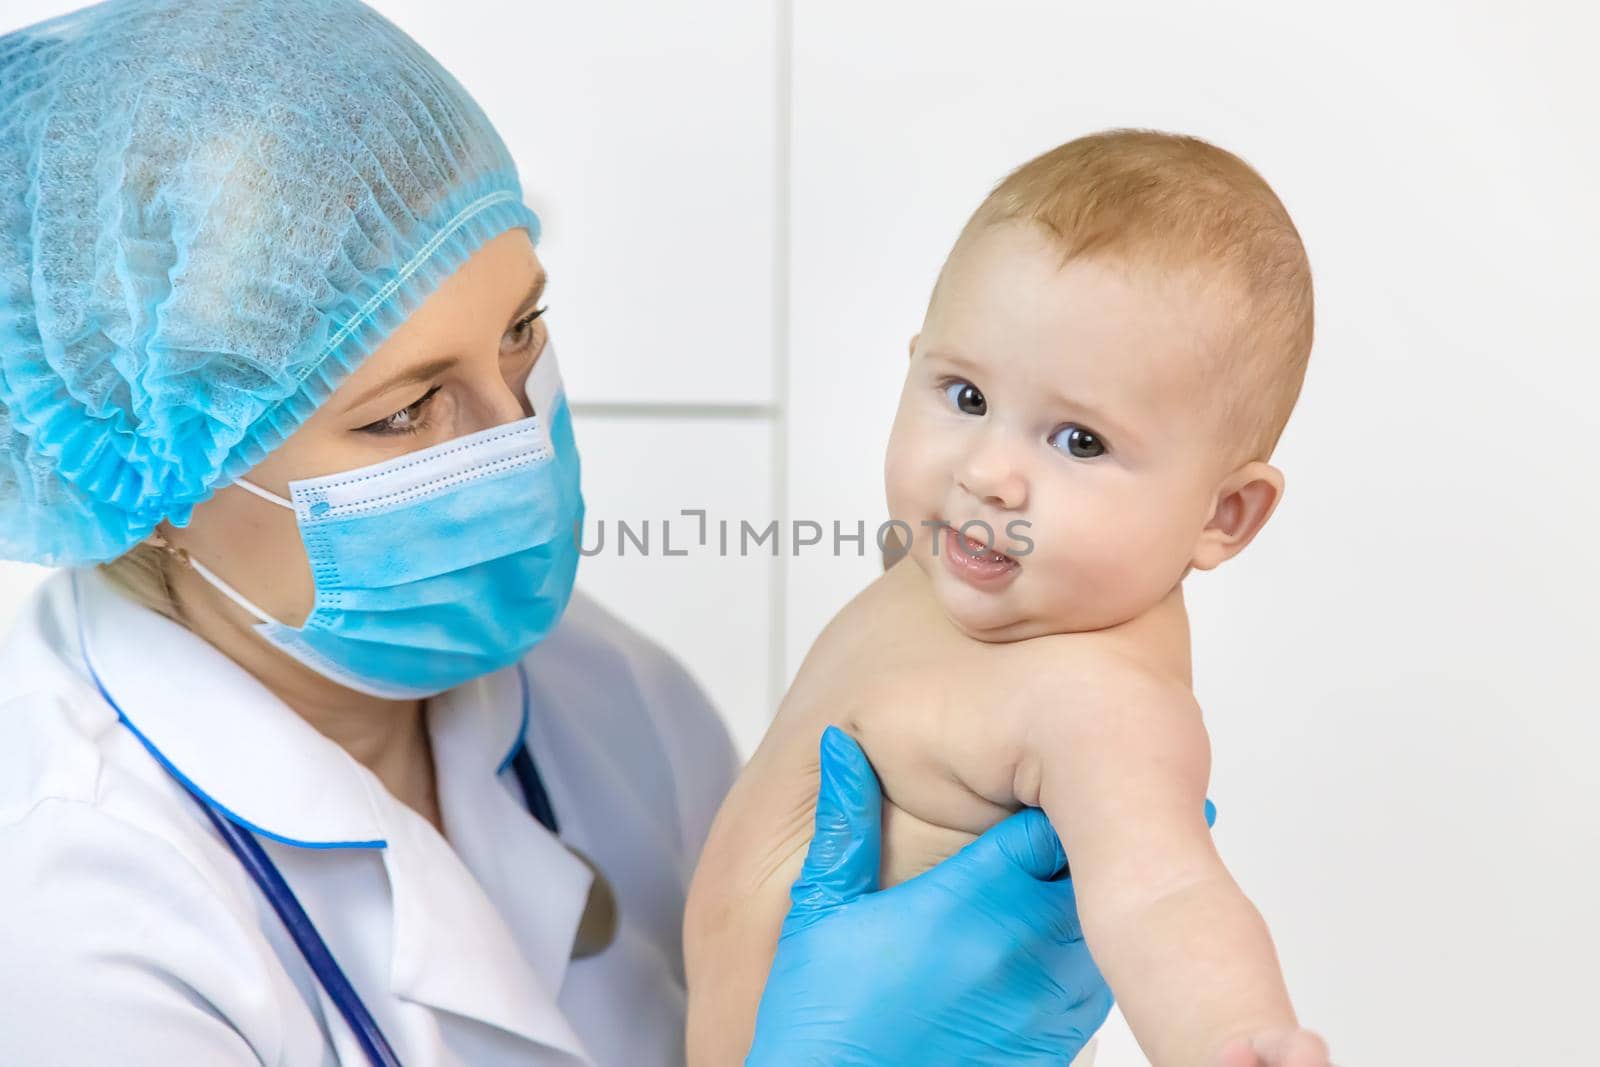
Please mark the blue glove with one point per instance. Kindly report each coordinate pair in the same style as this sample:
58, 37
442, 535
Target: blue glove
977, 961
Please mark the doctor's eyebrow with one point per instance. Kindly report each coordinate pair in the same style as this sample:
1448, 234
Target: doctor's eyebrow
411, 376
434, 367
535, 291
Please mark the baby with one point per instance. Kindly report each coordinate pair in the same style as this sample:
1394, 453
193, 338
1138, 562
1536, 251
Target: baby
1108, 358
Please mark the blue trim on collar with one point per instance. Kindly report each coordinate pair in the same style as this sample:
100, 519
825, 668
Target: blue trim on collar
182, 779
522, 731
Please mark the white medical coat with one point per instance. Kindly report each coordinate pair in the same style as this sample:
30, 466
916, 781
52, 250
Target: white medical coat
129, 933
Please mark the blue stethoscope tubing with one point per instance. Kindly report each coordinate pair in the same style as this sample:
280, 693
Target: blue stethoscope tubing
265, 873
270, 880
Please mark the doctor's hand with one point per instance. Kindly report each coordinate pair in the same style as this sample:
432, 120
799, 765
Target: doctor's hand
977, 961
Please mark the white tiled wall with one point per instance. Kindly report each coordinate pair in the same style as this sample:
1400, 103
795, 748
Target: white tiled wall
745, 205
646, 138
713, 610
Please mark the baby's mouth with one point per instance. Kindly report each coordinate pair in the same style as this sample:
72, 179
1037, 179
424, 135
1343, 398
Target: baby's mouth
978, 552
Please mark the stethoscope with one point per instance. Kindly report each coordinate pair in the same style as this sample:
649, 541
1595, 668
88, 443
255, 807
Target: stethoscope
259, 866
266, 875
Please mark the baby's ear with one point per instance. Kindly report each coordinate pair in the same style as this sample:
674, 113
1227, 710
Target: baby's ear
911, 349
1245, 501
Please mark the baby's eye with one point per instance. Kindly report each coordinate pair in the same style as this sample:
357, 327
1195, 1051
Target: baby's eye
966, 397
1079, 442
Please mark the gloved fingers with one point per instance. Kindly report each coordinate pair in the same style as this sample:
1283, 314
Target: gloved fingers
1022, 858
842, 861
1211, 813
1059, 910
1024, 841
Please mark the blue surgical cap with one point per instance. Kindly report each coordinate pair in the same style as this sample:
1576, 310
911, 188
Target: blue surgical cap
210, 213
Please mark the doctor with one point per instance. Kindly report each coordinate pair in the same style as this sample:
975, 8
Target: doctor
309, 754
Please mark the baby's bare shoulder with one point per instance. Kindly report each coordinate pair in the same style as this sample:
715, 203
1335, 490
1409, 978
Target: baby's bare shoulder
1143, 661
1092, 705
1080, 657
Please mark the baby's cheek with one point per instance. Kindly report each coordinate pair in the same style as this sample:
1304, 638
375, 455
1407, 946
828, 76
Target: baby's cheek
1102, 569
901, 475
1148, 560
897, 485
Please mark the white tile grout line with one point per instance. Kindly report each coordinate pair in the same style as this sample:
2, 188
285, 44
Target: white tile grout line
783, 143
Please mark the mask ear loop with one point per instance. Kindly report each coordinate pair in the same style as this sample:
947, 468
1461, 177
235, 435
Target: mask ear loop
211, 577
271, 498
224, 588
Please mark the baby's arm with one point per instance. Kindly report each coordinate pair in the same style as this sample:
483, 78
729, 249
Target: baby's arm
1185, 953
740, 892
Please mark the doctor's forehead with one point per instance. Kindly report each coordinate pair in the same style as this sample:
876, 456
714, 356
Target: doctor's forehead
500, 282
498, 278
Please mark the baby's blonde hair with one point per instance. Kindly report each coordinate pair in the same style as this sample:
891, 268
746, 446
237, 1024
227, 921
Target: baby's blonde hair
1185, 207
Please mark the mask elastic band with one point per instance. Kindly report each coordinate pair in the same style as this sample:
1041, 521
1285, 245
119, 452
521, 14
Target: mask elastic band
228, 591
264, 494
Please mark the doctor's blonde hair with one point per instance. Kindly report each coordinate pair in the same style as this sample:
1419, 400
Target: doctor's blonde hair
141, 573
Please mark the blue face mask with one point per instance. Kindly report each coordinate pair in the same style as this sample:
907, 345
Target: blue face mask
443, 564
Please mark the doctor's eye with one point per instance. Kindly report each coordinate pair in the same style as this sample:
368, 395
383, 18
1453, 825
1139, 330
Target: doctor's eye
521, 333
407, 420
1078, 442
966, 397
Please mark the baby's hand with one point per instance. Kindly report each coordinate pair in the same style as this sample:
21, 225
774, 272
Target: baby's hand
1275, 1048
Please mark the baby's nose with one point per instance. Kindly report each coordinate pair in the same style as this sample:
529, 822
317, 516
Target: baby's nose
992, 474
